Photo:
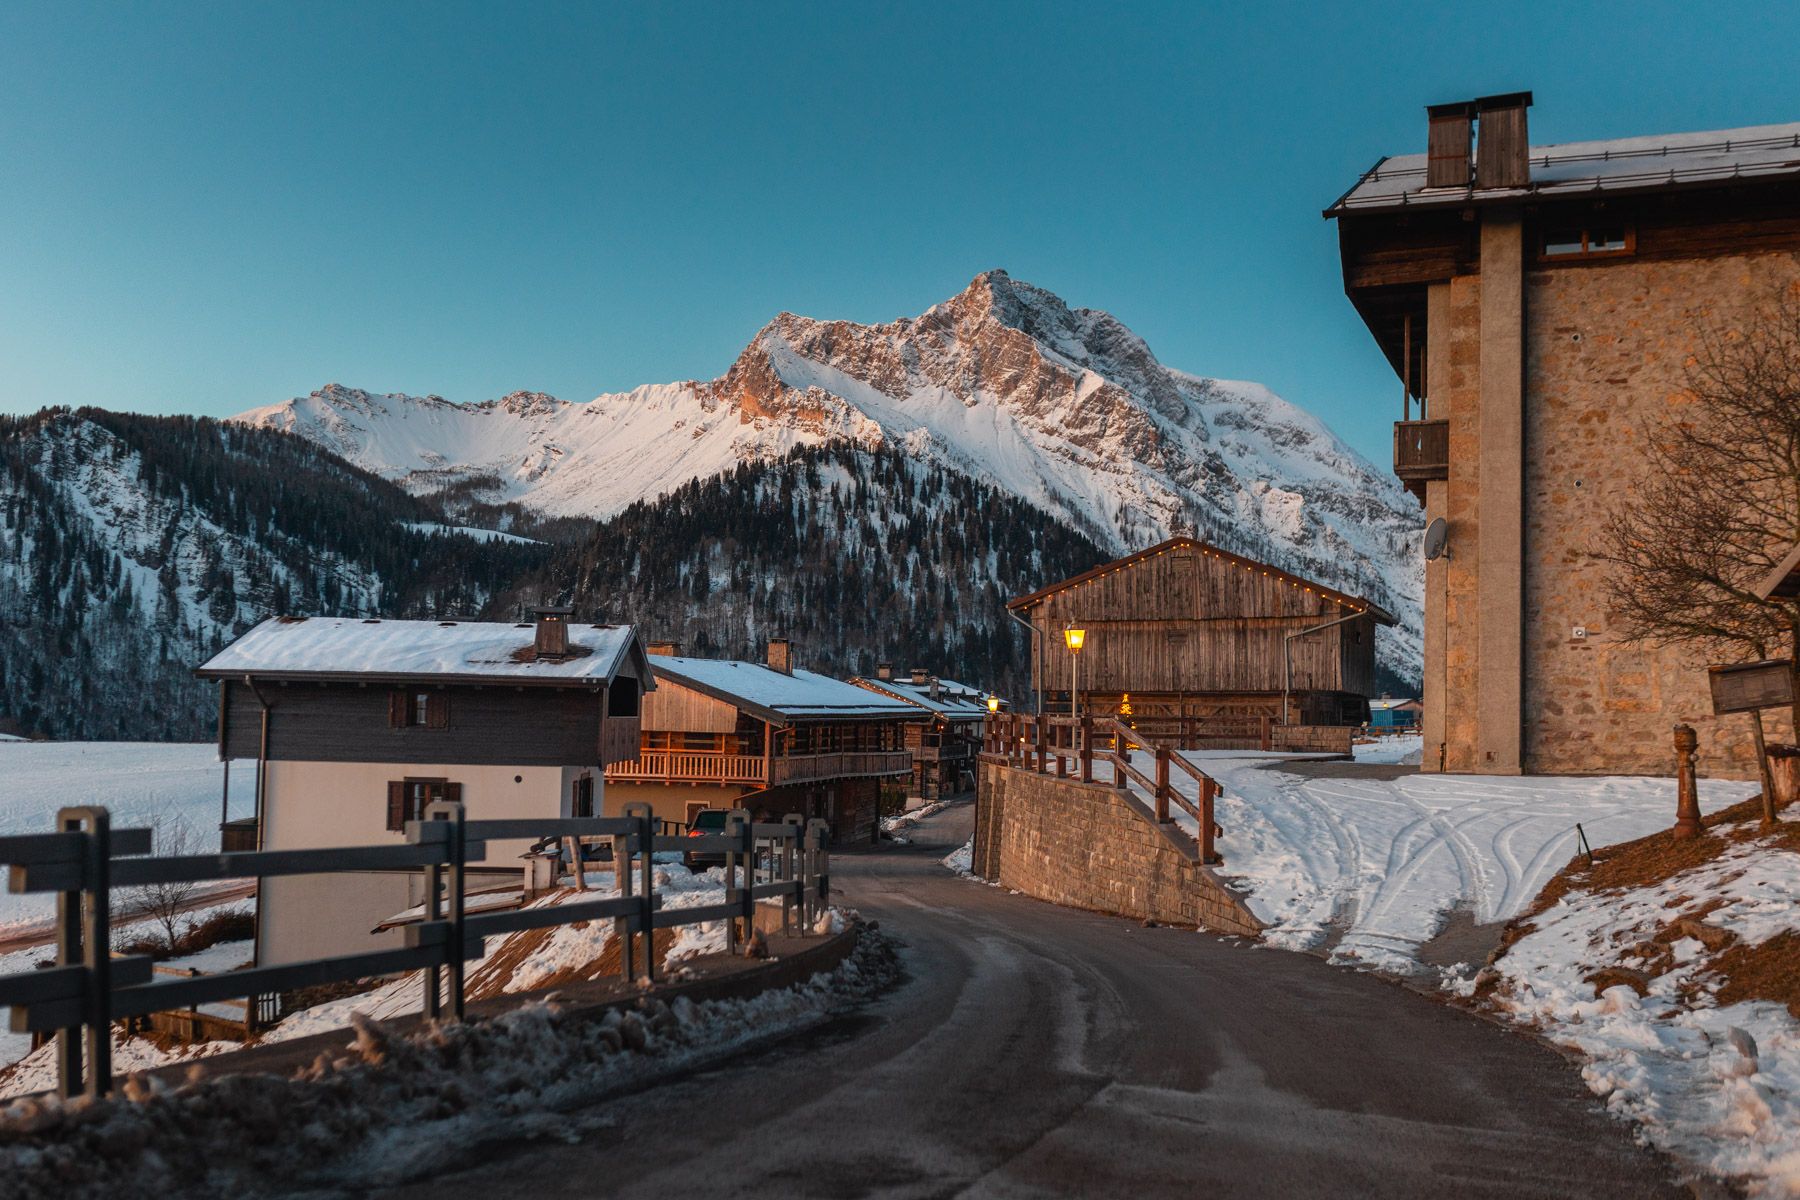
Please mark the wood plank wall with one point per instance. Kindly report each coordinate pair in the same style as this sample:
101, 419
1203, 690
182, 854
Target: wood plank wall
527, 727
1185, 621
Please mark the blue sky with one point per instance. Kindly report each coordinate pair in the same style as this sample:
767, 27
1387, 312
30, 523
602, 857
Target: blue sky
205, 208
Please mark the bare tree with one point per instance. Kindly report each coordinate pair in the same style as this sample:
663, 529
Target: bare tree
164, 903
1720, 505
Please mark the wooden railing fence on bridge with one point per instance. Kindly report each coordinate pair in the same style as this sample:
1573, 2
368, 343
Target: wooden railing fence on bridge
1067, 748
86, 860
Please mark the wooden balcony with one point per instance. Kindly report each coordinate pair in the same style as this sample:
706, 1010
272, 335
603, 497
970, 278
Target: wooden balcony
702, 766
1421, 453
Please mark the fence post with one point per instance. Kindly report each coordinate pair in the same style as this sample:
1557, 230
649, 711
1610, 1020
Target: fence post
68, 954
1086, 749
790, 844
458, 853
97, 951
1162, 783
1208, 790
647, 899
747, 894
622, 924
433, 974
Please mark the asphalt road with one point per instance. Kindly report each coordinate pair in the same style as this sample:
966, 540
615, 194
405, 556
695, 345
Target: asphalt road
1037, 1051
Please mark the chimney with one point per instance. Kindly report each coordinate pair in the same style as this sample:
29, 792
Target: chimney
919, 675
781, 655
1503, 158
1450, 135
552, 642
935, 690
884, 670
666, 649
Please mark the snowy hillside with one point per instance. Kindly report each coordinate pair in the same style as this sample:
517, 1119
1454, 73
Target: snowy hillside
1063, 407
132, 547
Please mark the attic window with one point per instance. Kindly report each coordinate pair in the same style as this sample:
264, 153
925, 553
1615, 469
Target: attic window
418, 709
1593, 241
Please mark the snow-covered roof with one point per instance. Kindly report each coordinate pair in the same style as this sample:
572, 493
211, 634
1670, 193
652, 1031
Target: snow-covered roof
775, 695
349, 648
953, 699
1650, 163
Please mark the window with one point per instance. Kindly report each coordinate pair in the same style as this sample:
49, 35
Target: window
418, 708
622, 697
407, 799
581, 799
1593, 241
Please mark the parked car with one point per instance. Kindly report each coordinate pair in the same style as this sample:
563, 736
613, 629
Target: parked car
706, 822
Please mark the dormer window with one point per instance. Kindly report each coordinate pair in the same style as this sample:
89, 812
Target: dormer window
1591, 241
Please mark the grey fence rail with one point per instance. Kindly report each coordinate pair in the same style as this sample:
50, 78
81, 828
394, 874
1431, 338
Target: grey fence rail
85, 860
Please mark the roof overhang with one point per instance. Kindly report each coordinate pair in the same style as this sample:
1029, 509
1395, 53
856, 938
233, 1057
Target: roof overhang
1784, 579
1381, 615
776, 716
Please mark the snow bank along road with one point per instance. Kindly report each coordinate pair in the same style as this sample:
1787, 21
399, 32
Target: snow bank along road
1036, 1051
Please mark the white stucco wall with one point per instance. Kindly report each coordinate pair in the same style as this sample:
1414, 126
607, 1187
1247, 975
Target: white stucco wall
312, 805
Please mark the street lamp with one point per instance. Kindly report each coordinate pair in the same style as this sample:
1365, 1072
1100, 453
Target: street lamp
993, 704
1074, 638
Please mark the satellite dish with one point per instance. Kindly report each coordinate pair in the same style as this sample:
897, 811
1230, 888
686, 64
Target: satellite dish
1437, 534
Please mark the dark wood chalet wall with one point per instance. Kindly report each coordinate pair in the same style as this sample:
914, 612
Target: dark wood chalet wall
529, 727
1184, 622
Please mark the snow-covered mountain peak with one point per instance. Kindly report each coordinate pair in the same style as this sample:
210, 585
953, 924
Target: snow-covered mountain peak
1064, 407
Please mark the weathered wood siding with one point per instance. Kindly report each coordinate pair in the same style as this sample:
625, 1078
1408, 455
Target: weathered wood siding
1186, 621
347, 723
677, 708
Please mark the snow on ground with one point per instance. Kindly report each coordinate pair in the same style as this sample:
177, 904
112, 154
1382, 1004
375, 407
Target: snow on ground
1674, 1060
1385, 862
962, 859
1407, 748
137, 782
394, 1109
480, 535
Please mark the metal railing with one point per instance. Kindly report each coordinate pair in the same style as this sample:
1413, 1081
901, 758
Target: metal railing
1067, 748
85, 860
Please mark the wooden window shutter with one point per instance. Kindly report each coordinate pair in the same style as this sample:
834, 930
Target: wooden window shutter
396, 805
396, 710
437, 711
453, 793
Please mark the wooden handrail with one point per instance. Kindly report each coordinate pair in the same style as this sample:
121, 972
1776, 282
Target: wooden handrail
1028, 743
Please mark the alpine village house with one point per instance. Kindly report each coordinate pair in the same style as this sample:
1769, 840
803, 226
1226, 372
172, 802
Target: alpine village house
1185, 630
945, 733
357, 726
1541, 305
768, 737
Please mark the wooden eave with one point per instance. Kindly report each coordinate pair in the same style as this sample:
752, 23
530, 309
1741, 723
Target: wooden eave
1784, 580
1381, 615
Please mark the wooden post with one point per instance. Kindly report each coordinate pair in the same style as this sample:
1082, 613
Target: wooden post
97, 954
1687, 794
1086, 749
1762, 766
1043, 750
573, 845
622, 925
1208, 789
1162, 783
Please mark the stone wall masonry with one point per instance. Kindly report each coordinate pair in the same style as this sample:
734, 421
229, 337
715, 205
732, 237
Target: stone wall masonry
1095, 847
1608, 353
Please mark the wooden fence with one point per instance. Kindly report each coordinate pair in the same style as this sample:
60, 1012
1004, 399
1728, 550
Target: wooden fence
1068, 747
85, 860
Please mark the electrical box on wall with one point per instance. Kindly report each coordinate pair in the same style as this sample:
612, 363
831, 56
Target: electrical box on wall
1579, 633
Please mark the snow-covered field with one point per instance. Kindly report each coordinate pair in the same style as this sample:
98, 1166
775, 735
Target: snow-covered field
137, 782
1385, 862
1716, 1083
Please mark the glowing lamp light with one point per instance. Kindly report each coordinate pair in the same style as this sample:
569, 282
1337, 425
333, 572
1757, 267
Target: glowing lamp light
1075, 639
993, 704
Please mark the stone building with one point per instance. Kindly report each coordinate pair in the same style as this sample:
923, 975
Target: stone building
1541, 304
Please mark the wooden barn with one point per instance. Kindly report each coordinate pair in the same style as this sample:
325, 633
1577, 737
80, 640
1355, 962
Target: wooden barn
1185, 630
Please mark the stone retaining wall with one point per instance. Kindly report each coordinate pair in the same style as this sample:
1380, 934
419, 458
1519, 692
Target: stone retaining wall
1093, 846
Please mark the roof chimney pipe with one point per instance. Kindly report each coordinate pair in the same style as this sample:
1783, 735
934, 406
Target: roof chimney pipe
781, 656
919, 675
665, 648
552, 641
1503, 157
1450, 137
884, 671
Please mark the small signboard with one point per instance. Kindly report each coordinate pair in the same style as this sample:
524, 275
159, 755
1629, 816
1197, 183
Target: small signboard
1746, 687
